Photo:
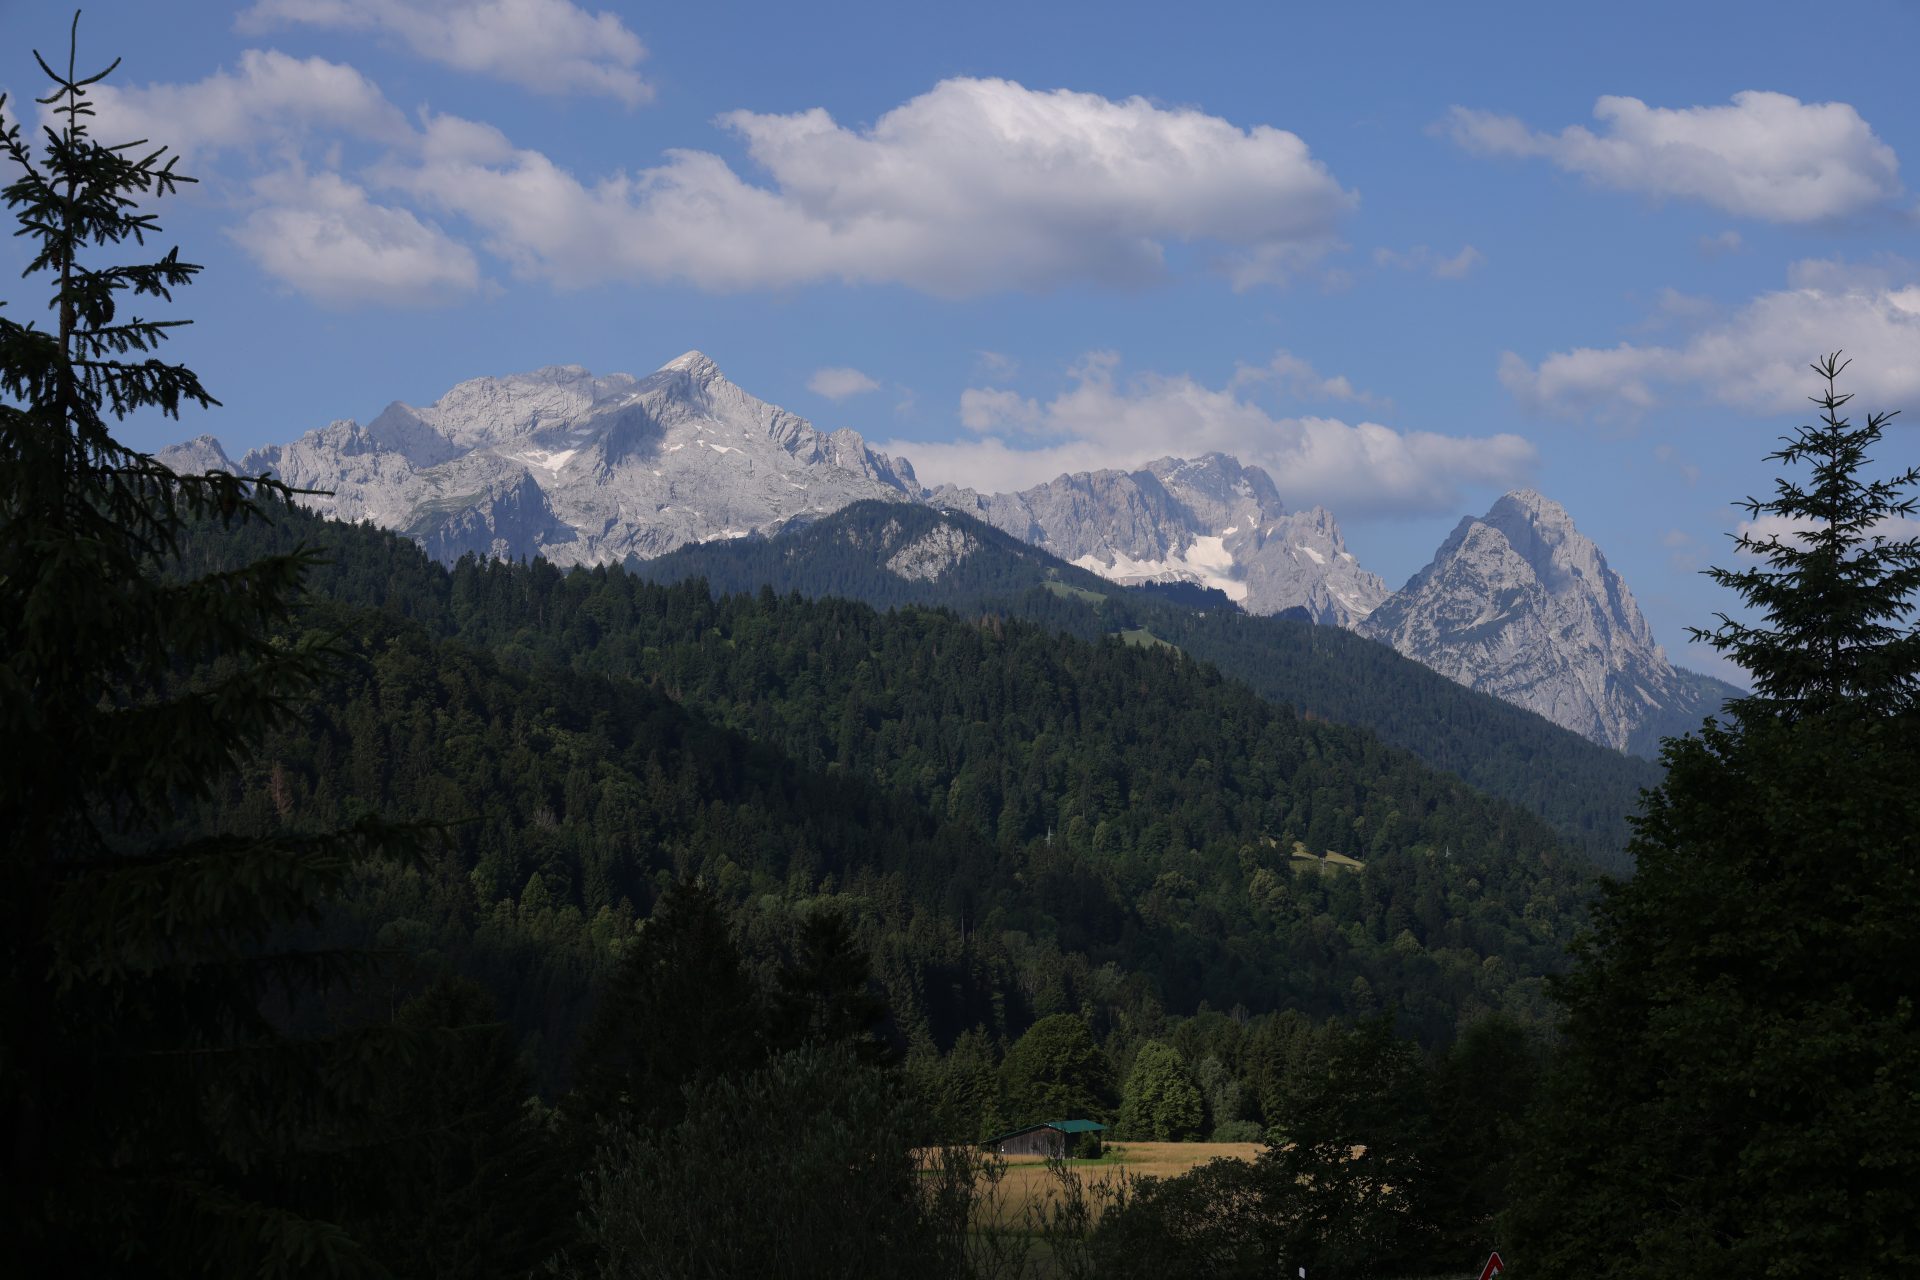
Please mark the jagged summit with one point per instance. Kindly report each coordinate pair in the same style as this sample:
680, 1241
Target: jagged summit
1208, 520
587, 469
590, 469
695, 364
1521, 604
580, 468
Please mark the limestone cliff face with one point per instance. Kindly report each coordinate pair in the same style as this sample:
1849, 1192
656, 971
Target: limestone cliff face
1207, 520
1520, 604
592, 470
580, 469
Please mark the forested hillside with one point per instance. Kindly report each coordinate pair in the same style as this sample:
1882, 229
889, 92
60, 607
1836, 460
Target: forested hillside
994, 801
1583, 789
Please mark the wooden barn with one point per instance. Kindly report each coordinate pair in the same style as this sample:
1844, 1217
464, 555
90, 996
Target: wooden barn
1055, 1138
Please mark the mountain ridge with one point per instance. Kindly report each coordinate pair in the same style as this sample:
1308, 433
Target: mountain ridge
580, 469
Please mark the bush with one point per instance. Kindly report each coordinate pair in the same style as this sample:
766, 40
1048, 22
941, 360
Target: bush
805, 1167
1238, 1131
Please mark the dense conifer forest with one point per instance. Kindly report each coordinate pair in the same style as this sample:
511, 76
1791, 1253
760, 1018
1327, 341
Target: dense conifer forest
991, 800
1586, 791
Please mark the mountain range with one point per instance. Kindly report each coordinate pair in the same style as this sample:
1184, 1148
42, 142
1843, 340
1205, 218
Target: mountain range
585, 470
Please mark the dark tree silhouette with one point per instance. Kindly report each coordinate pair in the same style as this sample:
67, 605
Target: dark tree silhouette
156, 1121
1735, 1096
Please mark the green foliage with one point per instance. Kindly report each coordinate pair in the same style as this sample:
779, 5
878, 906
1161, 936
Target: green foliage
1735, 1096
1583, 789
1348, 1142
824, 993
990, 803
1226, 1218
802, 1168
680, 1009
1479, 1093
1161, 1101
1835, 595
959, 1092
159, 1121
1056, 1071
469, 1176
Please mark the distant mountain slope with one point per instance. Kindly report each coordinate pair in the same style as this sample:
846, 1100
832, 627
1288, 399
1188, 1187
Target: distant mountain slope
577, 469
1519, 603
590, 470
889, 555
1207, 520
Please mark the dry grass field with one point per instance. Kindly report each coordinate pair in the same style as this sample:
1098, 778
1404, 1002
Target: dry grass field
1028, 1179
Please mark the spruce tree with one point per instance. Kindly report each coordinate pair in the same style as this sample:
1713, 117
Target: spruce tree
156, 1120
1737, 1091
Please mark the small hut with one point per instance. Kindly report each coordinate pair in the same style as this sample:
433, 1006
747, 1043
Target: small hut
1057, 1139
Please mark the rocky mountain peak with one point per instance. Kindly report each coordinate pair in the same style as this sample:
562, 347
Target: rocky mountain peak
695, 365
1521, 604
583, 469
196, 456
1209, 520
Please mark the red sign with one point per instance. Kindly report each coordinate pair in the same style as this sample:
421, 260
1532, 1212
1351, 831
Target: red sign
1494, 1266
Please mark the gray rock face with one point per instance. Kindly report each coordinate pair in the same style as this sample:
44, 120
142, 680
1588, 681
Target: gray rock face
580, 469
1520, 604
929, 557
591, 470
1206, 520
195, 457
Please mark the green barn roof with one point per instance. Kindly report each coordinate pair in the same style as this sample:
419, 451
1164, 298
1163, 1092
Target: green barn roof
1063, 1126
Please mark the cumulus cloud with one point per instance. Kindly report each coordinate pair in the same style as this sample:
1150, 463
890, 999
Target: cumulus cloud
1420, 258
1755, 359
1763, 531
973, 187
1766, 155
321, 235
549, 46
997, 409
270, 98
1102, 420
1297, 379
839, 383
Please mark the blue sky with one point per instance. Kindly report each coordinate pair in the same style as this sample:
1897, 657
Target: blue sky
1405, 255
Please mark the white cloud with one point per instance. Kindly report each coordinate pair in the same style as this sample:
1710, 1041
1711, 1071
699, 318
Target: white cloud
1421, 258
549, 46
1791, 530
322, 236
1297, 379
1757, 358
1765, 156
994, 408
973, 187
839, 383
1101, 421
271, 98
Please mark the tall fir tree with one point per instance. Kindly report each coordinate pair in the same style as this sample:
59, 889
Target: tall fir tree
156, 1120
1737, 1091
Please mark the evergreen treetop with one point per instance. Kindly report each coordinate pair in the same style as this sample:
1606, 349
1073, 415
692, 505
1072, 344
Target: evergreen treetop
1835, 592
